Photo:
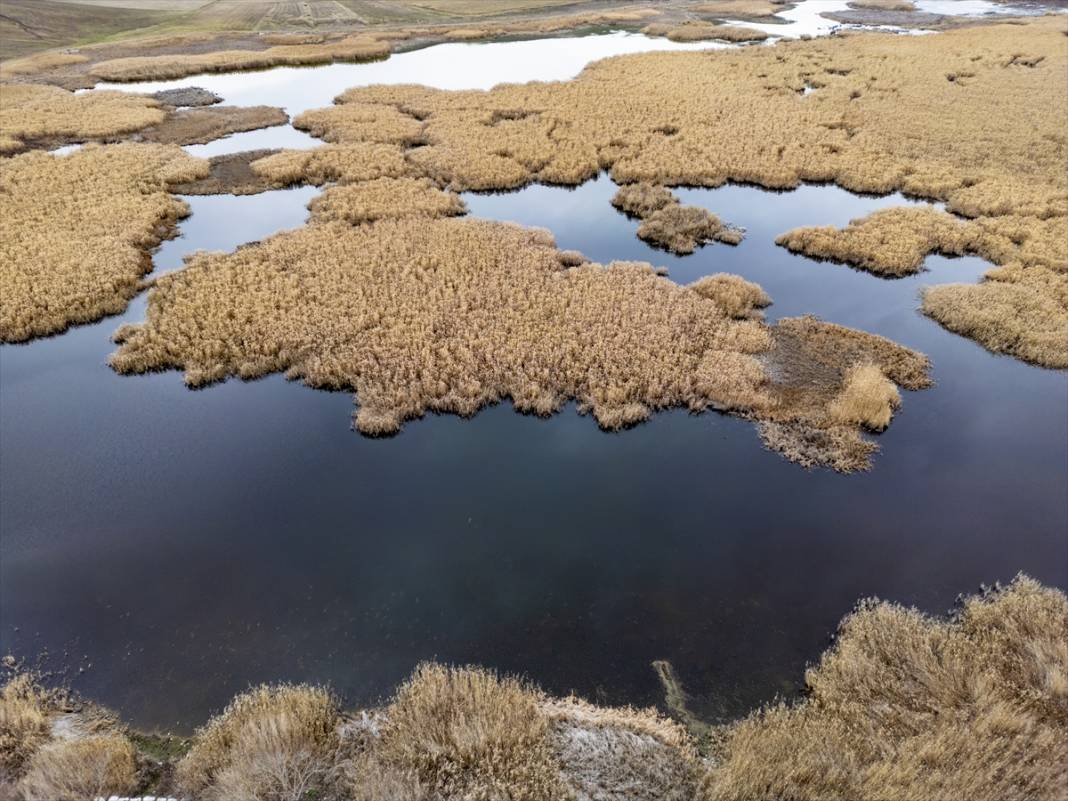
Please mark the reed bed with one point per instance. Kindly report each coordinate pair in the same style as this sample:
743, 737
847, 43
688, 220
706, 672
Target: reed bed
703, 31
33, 112
417, 314
75, 231
162, 68
1020, 308
344, 163
383, 198
877, 124
40, 62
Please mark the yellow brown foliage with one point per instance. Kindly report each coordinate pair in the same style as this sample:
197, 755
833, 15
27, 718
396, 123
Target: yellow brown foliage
462, 733
669, 225
878, 122
95, 766
702, 31
38, 112
272, 742
345, 163
905, 706
40, 62
443, 315
1019, 308
75, 231
161, 68
385, 197
25, 723
742, 8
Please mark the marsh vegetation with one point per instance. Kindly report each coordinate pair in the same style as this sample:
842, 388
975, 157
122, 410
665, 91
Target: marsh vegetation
384, 293
973, 707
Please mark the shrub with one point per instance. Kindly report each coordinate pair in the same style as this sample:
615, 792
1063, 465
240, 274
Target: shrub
96, 766
270, 744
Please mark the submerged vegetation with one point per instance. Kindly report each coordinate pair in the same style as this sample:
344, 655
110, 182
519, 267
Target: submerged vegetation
75, 231
973, 708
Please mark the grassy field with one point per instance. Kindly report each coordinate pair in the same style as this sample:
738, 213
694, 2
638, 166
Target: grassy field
30, 26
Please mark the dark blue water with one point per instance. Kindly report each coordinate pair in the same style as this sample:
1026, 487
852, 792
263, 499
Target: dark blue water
189, 543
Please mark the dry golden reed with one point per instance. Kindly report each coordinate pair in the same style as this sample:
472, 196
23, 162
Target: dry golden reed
878, 122
668, 225
382, 198
40, 62
75, 231
162, 68
25, 723
702, 31
344, 163
76, 769
273, 743
1019, 308
906, 707
37, 112
441, 315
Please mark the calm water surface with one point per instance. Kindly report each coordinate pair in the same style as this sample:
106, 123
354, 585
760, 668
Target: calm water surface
187, 544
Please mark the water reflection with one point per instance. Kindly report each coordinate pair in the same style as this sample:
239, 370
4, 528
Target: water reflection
189, 543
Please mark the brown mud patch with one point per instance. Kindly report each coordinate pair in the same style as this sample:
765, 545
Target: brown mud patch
230, 174
198, 126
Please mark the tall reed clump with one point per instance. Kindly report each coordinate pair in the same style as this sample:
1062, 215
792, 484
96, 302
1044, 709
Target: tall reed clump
36, 112
270, 744
461, 733
667, 224
877, 124
161, 68
75, 231
445, 315
90, 758
905, 706
1020, 308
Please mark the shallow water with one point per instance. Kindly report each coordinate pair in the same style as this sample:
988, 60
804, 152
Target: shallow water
186, 544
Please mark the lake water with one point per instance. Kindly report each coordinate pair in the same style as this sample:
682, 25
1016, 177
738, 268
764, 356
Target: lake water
181, 545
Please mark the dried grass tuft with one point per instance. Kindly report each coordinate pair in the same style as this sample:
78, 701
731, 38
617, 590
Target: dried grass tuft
384, 198
905, 707
25, 723
868, 398
738, 298
97, 766
270, 744
458, 733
